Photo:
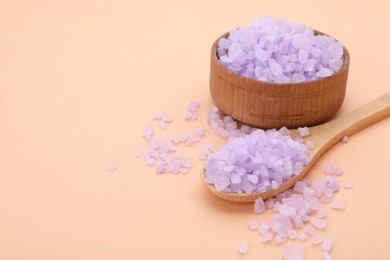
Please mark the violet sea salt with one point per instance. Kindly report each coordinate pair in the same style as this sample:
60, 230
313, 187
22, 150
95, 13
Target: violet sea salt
257, 162
276, 50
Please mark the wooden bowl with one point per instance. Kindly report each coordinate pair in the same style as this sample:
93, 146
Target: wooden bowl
274, 105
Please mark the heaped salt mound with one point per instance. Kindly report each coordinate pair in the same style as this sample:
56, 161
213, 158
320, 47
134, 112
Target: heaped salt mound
280, 51
257, 162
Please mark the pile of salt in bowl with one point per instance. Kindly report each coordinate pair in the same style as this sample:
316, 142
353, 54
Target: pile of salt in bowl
280, 51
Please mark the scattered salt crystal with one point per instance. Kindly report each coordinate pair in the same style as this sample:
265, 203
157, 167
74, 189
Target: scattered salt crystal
303, 131
268, 237
259, 205
322, 213
330, 168
326, 255
139, 152
318, 223
293, 252
327, 244
279, 239
287, 210
161, 169
112, 166
316, 240
310, 145
348, 185
148, 132
253, 225
337, 205
243, 249
302, 237
167, 118
345, 139
311, 231
338, 172
158, 115
162, 125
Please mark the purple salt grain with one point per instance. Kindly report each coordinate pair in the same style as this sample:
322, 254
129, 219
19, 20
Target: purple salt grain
243, 248
158, 115
322, 213
327, 244
330, 168
318, 223
316, 240
267, 237
112, 166
139, 153
253, 225
167, 118
310, 230
326, 255
337, 205
302, 237
279, 51
293, 252
162, 125
348, 185
259, 206
303, 131
345, 139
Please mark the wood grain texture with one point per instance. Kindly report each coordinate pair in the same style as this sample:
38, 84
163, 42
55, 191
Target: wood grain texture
274, 105
324, 137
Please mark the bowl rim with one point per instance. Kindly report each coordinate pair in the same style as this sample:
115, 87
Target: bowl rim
344, 67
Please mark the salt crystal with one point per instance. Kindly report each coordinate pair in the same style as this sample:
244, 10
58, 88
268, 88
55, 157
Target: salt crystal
302, 237
322, 213
234, 50
243, 249
162, 125
345, 139
259, 205
139, 153
316, 240
167, 119
311, 231
279, 239
253, 225
330, 168
303, 131
318, 223
324, 72
161, 169
112, 166
348, 185
268, 237
293, 252
337, 205
287, 210
326, 255
327, 244
299, 186
158, 115
338, 172
309, 145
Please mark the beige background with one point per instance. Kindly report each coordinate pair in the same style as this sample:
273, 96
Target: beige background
80, 79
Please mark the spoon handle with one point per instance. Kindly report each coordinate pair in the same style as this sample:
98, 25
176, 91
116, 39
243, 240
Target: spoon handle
330, 133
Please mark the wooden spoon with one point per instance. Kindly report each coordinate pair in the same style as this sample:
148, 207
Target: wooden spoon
324, 137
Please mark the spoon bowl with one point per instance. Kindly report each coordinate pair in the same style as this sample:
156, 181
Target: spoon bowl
324, 137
